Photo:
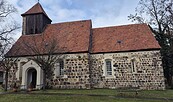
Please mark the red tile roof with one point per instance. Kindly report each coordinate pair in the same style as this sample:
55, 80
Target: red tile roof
74, 37
123, 38
70, 37
37, 8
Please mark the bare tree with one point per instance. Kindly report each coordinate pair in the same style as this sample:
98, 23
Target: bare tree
8, 64
46, 53
7, 27
158, 14
7, 24
6, 9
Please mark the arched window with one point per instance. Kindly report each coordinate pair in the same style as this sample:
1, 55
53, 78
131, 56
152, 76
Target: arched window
108, 67
61, 67
133, 65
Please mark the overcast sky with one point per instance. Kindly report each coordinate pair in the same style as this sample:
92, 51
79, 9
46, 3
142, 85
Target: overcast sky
103, 13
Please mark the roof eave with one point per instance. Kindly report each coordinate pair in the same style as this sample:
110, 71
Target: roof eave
24, 14
151, 49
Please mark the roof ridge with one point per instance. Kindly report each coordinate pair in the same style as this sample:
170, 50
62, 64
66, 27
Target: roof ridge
32, 34
120, 26
70, 22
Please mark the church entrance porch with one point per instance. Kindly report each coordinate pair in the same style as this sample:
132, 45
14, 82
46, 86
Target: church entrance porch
32, 78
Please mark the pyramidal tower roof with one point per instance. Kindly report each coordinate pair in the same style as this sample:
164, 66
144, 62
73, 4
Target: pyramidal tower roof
36, 9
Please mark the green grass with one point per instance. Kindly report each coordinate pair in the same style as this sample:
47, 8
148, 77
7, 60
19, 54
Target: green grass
83, 91
56, 98
1, 89
85, 96
147, 94
157, 94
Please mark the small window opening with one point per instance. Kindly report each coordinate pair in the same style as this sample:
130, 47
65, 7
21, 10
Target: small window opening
108, 67
133, 65
119, 41
61, 64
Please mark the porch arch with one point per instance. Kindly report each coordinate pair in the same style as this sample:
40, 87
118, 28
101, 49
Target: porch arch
28, 68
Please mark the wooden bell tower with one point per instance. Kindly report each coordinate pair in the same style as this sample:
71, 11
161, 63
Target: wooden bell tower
35, 20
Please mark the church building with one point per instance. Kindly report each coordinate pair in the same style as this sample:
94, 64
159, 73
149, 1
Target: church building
106, 57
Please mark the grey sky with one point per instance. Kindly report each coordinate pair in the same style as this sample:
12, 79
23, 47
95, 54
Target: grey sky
102, 12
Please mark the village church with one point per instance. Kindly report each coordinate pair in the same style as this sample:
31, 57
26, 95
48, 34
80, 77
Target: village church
122, 56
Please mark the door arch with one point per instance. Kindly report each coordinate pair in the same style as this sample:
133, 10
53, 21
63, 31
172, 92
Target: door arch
32, 77
26, 71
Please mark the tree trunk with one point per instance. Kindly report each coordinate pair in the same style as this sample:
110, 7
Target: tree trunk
6, 80
171, 82
44, 80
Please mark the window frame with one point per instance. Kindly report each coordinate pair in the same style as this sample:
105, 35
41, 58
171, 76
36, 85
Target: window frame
108, 71
61, 68
133, 65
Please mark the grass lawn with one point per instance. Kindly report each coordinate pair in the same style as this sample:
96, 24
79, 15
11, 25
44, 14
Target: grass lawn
56, 98
1, 88
86, 98
147, 94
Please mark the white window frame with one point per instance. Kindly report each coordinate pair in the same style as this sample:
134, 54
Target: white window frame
106, 68
61, 68
59, 71
133, 65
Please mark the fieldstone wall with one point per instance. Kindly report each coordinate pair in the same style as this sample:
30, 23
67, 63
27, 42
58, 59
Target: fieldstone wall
148, 72
148, 75
76, 73
12, 77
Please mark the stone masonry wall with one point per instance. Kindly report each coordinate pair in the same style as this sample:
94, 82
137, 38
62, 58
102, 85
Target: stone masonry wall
148, 75
76, 73
12, 77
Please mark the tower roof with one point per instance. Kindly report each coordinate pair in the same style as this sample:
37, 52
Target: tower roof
36, 9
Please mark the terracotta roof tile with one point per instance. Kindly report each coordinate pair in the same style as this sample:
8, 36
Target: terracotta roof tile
123, 38
37, 8
70, 36
73, 37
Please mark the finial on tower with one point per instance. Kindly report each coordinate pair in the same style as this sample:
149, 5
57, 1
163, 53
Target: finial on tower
38, 1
